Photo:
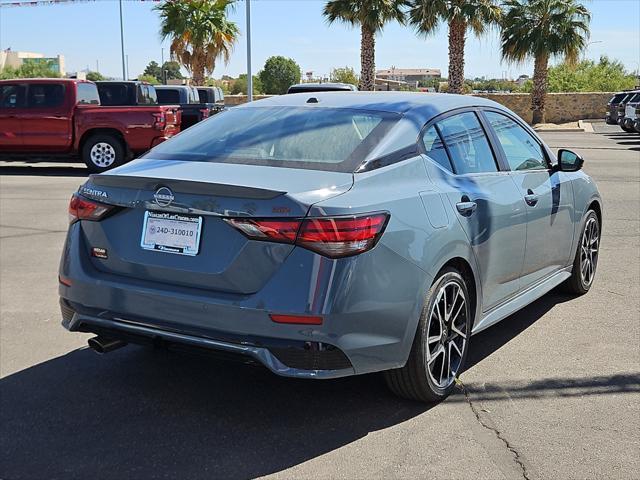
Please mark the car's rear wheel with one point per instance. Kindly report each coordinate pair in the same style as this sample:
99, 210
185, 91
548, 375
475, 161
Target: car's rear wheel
440, 344
586, 259
102, 152
628, 129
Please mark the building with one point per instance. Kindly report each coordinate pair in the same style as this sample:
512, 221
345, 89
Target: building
15, 59
408, 75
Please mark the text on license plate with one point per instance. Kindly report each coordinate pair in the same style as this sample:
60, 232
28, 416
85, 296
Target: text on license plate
171, 233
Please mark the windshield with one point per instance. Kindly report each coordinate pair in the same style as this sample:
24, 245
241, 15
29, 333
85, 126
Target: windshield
304, 137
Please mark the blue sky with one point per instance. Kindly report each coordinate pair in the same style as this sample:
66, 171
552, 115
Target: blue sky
86, 32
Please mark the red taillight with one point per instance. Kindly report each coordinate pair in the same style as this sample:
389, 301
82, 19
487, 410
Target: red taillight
297, 319
81, 208
333, 237
160, 121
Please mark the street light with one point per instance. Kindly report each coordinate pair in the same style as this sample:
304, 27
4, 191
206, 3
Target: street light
249, 76
584, 57
124, 73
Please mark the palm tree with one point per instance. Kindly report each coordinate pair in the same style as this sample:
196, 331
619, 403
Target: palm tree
542, 29
460, 15
371, 15
200, 33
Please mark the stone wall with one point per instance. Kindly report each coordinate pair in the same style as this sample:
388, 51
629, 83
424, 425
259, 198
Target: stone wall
561, 107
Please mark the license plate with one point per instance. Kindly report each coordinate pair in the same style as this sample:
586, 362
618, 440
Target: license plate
171, 233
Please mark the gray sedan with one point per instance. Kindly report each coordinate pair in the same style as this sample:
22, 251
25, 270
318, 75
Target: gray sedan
331, 234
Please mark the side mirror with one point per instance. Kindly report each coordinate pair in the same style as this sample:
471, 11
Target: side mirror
569, 161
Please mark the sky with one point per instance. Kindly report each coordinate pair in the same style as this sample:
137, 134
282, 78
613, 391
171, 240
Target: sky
88, 34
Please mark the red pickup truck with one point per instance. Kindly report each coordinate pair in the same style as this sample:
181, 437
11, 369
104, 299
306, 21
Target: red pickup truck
60, 117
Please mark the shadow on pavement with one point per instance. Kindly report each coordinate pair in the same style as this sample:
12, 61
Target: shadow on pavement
45, 171
138, 413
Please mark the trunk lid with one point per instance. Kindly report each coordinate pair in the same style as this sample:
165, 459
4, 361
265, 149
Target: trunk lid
226, 260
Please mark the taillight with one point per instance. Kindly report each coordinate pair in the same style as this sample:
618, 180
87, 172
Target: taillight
333, 237
81, 208
160, 121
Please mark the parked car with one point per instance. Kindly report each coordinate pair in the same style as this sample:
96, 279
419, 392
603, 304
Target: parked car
193, 110
60, 117
376, 233
629, 118
636, 122
129, 93
622, 107
212, 95
611, 117
322, 87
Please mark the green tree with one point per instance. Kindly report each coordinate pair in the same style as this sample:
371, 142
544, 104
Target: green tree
461, 16
40, 69
172, 70
589, 76
278, 74
200, 34
541, 29
149, 79
344, 75
95, 76
371, 16
240, 85
153, 70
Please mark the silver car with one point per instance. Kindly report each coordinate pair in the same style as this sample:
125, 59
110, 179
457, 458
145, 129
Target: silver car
331, 234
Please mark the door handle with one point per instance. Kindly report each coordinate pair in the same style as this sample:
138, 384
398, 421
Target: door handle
466, 207
531, 198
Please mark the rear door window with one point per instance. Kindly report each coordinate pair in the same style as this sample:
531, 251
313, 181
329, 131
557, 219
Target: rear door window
434, 148
45, 95
467, 144
12, 96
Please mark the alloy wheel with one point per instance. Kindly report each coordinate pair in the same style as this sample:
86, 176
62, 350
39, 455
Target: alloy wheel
446, 334
589, 251
103, 154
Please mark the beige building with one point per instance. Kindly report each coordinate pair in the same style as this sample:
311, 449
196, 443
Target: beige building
15, 59
408, 75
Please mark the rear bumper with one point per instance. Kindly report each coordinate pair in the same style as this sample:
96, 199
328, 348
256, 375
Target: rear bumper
285, 358
367, 318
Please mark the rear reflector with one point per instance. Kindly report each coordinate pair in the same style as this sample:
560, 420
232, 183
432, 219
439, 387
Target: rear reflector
64, 281
297, 319
81, 208
333, 237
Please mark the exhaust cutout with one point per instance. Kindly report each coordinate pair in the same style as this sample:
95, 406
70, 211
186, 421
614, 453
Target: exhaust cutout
104, 345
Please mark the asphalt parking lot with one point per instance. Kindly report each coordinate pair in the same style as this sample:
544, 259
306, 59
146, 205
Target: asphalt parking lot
551, 392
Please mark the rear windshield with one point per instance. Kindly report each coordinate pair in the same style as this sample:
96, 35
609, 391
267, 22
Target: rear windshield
305, 137
115, 94
167, 96
617, 97
319, 88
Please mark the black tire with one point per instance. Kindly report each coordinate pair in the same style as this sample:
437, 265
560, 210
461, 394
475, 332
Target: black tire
414, 380
109, 153
627, 129
577, 284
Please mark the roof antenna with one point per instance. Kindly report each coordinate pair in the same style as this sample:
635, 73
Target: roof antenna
312, 100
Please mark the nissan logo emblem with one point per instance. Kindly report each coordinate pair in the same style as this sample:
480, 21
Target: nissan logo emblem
163, 197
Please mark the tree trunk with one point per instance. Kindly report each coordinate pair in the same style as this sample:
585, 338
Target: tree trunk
197, 67
539, 94
457, 34
367, 59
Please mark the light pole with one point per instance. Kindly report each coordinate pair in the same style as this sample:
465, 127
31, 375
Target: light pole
584, 57
124, 73
249, 76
